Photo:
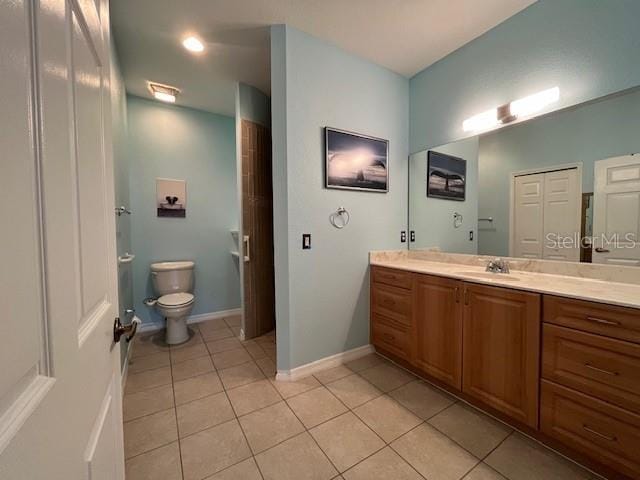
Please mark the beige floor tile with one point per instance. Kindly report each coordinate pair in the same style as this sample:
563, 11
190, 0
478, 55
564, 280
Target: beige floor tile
387, 376
316, 406
354, 390
269, 349
220, 334
290, 389
233, 321
475, 431
146, 433
211, 325
269, 426
387, 417
299, 458
252, 396
149, 362
194, 339
137, 382
246, 470
483, 472
333, 374
267, 366
148, 345
241, 375
254, 349
384, 465
203, 413
422, 399
212, 450
191, 368
365, 362
236, 331
346, 440
197, 387
433, 454
182, 354
230, 358
523, 459
160, 464
146, 402
223, 345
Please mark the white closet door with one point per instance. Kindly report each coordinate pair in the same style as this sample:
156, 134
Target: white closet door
528, 216
562, 210
616, 211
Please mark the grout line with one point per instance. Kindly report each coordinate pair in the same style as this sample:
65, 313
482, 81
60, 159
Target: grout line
175, 411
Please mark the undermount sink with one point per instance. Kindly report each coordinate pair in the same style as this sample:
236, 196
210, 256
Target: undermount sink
491, 276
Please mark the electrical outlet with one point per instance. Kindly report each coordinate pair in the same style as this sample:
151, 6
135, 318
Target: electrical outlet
403, 236
412, 236
306, 241
471, 235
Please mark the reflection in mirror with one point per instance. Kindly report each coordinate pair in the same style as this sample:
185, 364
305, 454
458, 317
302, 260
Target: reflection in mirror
564, 186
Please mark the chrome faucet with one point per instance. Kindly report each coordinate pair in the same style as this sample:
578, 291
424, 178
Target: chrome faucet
497, 265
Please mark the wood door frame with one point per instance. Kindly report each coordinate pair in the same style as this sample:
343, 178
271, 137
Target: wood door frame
532, 171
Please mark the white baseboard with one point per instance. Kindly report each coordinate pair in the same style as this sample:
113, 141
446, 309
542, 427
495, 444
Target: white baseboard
202, 317
323, 364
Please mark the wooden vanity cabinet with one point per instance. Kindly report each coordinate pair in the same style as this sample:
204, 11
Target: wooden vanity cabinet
501, 350
437, 316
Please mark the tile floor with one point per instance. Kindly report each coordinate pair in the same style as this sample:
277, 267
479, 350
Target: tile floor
211, 409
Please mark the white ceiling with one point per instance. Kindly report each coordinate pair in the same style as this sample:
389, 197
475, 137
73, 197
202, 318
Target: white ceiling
403, 35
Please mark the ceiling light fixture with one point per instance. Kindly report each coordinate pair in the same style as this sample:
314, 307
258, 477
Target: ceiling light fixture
164, 93
510, 112
193, 44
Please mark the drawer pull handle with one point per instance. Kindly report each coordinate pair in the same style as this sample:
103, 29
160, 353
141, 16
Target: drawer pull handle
388, 301
603, 321
598, 434
389, 337
601, 370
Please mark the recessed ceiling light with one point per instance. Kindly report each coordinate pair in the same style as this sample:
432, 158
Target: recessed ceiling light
164, 93
193, 44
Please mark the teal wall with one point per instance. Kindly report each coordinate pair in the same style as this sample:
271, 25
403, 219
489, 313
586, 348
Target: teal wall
167, 141
253, 105
590, 132
432, 218
588, 48
322, 294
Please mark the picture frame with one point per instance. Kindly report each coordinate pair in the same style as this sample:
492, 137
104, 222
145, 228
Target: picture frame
171, 198
354, 161
446, 176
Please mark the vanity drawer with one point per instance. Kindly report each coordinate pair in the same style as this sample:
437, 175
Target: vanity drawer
391, 302
608, 434
606, 368
391, 336
609, 320
389, 276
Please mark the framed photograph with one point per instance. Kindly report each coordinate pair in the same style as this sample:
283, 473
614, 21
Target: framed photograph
356, 162
446, 176
171, 197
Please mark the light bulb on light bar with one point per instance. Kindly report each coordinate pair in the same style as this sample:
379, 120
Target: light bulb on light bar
164, 97
534, 103
482, 121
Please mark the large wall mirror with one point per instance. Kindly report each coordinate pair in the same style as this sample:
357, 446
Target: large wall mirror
563, 186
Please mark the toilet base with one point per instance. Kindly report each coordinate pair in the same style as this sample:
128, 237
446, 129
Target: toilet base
177, 331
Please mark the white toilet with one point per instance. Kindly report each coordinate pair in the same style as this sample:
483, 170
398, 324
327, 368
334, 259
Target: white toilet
172, 282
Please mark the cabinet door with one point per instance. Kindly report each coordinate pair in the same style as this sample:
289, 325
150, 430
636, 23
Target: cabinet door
502, 349
438, 326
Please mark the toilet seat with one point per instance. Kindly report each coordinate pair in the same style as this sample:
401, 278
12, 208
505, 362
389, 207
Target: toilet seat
175, 299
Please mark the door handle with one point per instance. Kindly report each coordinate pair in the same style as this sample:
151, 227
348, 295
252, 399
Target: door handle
119, 330
247, 255
602, 250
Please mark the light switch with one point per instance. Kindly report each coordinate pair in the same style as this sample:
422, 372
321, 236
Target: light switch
306, 241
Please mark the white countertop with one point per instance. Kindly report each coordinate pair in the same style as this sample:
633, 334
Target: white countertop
613, 293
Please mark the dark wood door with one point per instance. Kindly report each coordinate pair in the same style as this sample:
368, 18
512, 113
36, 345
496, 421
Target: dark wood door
438, 327
501, 350
257, 226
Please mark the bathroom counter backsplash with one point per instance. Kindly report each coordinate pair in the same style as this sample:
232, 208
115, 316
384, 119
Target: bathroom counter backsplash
615, 285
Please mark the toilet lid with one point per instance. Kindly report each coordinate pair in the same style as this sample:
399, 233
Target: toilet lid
175, 299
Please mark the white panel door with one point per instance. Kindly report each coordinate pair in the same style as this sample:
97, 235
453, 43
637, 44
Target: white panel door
562, 210
60, 400
616, 211
528, 218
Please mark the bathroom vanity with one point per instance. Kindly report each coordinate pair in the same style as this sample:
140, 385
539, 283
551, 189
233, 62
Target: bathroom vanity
557, 356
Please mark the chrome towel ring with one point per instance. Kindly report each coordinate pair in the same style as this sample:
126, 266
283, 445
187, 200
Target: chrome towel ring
340, 218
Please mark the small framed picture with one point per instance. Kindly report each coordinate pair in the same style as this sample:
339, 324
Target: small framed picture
171, 197
356, 162
446, 176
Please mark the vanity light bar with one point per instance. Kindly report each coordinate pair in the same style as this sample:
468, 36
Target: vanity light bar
164, 93
509, 112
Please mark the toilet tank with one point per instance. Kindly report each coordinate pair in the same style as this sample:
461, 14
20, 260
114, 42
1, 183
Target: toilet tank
172, 277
